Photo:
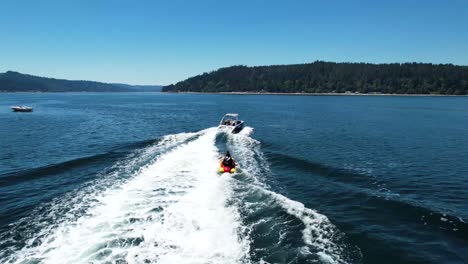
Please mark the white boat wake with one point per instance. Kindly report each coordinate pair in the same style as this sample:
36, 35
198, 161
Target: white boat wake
177, 209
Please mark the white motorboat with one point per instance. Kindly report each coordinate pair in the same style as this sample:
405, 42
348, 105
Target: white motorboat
21, 109
231, 122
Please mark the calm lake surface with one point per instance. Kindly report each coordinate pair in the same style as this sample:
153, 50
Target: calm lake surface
132, 178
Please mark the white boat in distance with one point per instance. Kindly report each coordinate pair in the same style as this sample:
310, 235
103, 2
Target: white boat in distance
21, 109
231, 122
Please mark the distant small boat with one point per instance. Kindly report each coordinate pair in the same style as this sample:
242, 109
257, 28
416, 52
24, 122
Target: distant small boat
22, 109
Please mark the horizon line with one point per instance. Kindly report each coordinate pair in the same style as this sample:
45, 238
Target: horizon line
234, 65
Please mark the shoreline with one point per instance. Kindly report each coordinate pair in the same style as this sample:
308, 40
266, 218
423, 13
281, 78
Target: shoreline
317, 94
250, 93
40, 92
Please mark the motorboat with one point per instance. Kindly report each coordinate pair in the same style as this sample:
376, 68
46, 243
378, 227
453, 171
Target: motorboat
21, 109
231, 122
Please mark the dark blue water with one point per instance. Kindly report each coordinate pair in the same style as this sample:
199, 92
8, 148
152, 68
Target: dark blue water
327, 179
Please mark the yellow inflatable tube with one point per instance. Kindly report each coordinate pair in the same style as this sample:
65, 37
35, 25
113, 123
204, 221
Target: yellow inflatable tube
221, 169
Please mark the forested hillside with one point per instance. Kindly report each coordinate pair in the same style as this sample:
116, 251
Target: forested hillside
330, 77
18, 82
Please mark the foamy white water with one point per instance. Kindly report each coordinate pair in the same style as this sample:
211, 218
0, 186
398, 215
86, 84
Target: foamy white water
177, 209
318, 231
173, 211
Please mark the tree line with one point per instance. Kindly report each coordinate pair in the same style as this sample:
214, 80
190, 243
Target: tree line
17, 82
330, 77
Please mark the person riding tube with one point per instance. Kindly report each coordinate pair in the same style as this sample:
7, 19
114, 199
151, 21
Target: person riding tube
228, 164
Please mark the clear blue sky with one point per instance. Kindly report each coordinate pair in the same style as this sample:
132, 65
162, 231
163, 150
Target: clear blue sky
161, 42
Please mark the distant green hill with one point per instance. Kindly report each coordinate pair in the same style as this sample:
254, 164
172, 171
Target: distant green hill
330, 77
18, 82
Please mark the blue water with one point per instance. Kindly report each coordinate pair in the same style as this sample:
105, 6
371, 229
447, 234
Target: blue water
131, 178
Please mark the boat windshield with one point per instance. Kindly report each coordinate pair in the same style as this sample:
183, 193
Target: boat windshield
229, 120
